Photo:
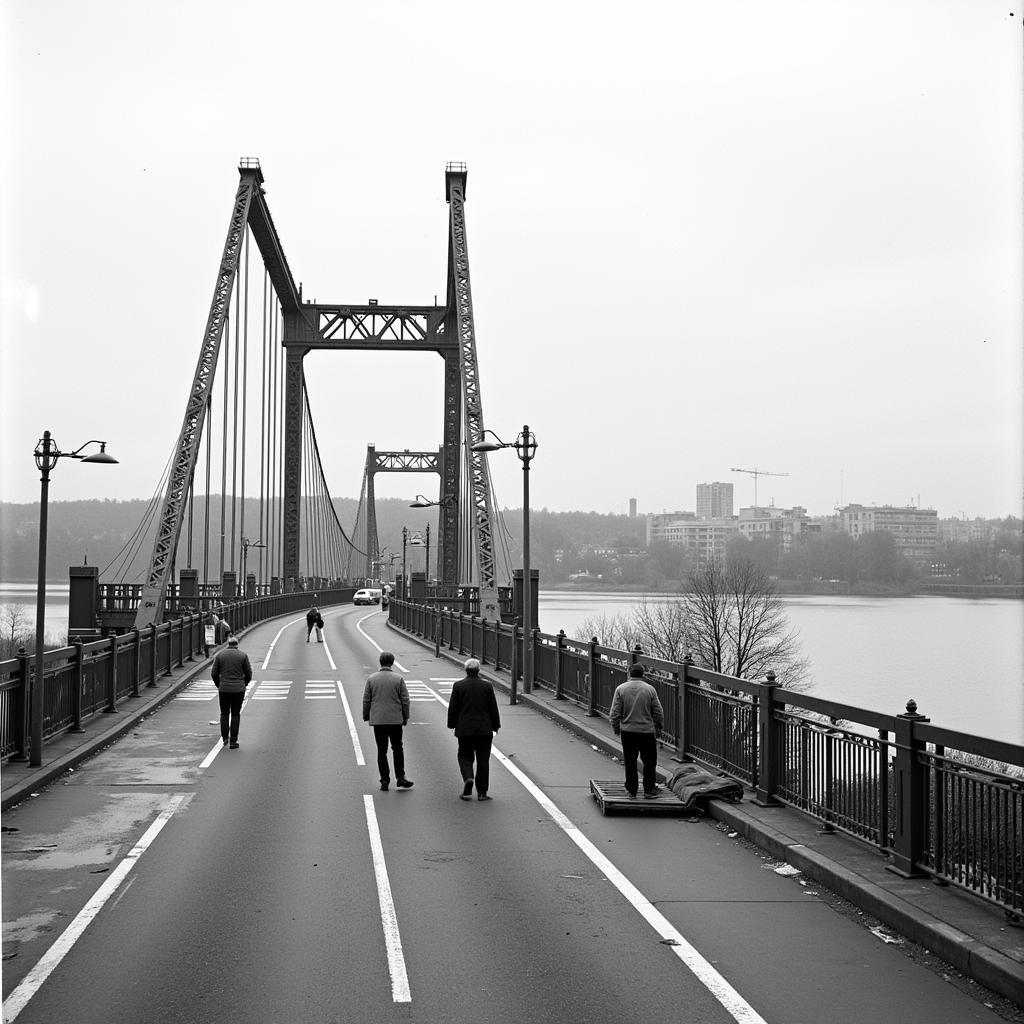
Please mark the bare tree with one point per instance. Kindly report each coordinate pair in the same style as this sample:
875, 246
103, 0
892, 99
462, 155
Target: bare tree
12, 620
738, 624
730, 619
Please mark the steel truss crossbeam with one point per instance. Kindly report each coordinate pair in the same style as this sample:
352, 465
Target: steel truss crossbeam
404, 462
401, 328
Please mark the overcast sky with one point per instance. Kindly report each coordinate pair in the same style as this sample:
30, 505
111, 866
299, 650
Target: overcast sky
778, 235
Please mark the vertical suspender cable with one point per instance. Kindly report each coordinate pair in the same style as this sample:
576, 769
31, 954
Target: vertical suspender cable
206, 511
245, 394
224, 444
263, 422
232, 545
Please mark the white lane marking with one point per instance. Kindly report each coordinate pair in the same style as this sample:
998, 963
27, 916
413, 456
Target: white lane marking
273, 643
351, 725
219, 745
734, 1004
400, 992
330, 658
33, 981
359, 626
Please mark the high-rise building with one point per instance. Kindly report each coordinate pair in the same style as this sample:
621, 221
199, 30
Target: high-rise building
632, 508
714, 501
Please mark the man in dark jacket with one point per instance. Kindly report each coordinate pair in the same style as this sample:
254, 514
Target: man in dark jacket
314, 619
386, 708
637, 717
231, 674
473, 714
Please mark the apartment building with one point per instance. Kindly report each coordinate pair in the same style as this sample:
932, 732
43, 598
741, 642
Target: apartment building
781, 524
703, 537
915, 530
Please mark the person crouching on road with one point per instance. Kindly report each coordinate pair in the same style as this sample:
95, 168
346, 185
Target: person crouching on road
315, 619
231, 673
637, 717
386, 708
473, 714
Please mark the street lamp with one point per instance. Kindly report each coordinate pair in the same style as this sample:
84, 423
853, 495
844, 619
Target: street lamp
405, 579
445, 501
246, 544
525, 446
46, 455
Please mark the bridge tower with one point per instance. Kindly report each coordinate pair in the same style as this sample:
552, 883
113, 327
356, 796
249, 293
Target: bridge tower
308, 326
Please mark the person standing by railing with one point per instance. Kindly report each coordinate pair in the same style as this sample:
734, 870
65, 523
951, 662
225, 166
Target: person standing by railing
637, 717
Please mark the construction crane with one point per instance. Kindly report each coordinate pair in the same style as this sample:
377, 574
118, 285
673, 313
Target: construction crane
755, 473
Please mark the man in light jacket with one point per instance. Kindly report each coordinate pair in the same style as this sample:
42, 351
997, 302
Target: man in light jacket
473, 714
637, 717
386, 708
231, 674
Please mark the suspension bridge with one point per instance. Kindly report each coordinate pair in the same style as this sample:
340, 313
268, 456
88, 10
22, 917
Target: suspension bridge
247, 461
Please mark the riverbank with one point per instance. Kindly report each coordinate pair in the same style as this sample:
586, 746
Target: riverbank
811, 588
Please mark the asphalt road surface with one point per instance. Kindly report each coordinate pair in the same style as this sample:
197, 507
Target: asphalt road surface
170, 879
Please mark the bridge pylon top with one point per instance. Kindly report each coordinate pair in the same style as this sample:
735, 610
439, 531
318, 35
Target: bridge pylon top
250, 163
454, 170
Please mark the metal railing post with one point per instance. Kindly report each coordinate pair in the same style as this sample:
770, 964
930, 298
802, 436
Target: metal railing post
76, 696
137, 659
681, 684
111, 707
21, 706
152, 654
592, 678
768, 746
911, 795
559, 667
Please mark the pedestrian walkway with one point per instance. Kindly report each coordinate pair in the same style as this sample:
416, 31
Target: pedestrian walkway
974, 937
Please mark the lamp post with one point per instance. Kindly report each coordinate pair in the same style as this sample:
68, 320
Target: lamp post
405, 579
246, 544
426, 559
525, 446
46, 455
445, 501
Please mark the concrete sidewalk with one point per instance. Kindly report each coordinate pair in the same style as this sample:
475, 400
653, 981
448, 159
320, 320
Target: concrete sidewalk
974, 937
19, 780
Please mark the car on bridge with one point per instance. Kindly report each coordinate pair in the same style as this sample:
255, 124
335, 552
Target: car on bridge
367, 595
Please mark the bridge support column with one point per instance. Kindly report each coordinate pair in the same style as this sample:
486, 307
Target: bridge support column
292, 497
83, 603
188, 589
229, 585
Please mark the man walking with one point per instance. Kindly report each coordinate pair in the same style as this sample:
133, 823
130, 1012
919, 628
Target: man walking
386, 708
637, 717
231, 673
473, 714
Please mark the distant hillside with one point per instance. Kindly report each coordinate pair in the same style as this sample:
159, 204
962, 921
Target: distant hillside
96, 532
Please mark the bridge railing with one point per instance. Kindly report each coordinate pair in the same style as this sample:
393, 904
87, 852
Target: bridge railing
86, 679
934, 801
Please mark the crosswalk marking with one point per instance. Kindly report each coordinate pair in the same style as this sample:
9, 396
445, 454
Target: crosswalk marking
272, 689
320, 689
200, 689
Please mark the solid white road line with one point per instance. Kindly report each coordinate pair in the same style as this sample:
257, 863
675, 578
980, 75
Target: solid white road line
273, 643
34, 980
359, 626
351, 725
219, 746
400, 992
737, 1007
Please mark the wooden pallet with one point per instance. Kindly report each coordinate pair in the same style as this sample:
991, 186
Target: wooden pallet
612, 798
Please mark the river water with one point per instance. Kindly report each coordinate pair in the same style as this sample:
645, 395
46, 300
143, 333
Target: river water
962, 660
